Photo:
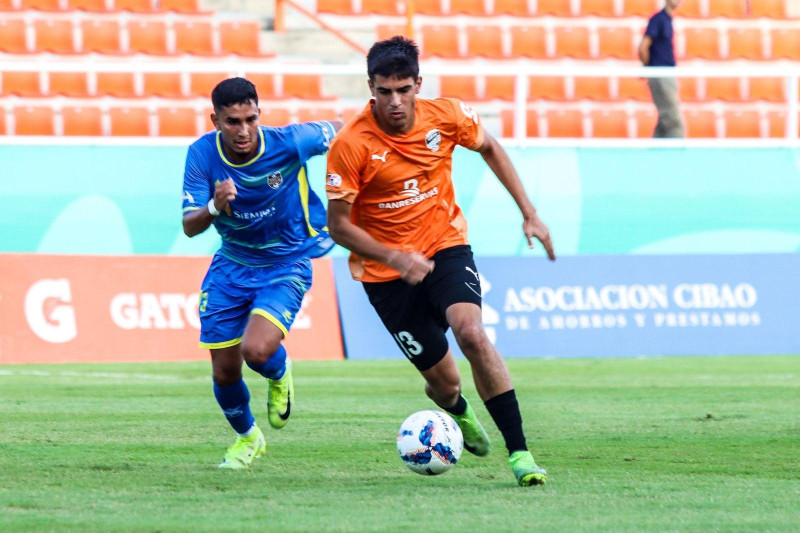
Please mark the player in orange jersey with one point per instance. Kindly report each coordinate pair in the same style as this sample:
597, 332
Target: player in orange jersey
391, 203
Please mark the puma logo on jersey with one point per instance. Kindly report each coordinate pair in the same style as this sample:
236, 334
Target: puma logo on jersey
381, 157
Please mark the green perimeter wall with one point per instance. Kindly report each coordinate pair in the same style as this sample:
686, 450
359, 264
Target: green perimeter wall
98, 199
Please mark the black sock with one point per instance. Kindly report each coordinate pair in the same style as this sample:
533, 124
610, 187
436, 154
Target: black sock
459, 408
504, 410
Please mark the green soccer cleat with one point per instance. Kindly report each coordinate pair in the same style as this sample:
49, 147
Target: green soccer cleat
476, 441
281, 396
526, 470
244, 450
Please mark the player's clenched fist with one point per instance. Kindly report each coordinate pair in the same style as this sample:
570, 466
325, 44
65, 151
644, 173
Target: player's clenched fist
413, 267
224, 193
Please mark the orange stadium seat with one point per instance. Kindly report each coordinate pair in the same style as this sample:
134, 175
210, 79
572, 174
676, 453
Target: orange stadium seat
21, 83
547, 88
500, 88
531, 123
306, 86
729, 8
687, 90
383, 7
148, 37
528, 41
102, 36
119, 84
769, 89
592, 88
73, 84
166, 84
312, 114
12, 36
440, 41
646, 120
468, 7
511, 7
642, 8
137, 6
699, 123
558, 8
194, 38
485, 41
601, 8
3, 121
386, 31
177, 122
728, 89
265, 84
742, 123
54, 36
340, 7
129, 121
8, 5
183, 6
776, 123
240, 37
206, 115
775, 9
616, 42
745, 43
572, 41
464, 87
432, 7
99, 6
609, 123
34, 120
274, 116
633, 89
786, 43
45, 5
82, 120
564, 123
688, 9
202, 83
702, 42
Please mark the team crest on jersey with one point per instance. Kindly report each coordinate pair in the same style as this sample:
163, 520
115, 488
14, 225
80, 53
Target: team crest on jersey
275, 179
334, 180
432, 140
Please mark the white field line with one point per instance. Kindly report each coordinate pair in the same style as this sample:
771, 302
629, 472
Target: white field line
109, 375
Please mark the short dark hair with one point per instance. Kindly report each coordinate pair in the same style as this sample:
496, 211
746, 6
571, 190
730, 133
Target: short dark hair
233, 91
396, 57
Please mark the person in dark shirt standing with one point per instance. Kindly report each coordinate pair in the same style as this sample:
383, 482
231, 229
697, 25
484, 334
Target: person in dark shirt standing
657, 50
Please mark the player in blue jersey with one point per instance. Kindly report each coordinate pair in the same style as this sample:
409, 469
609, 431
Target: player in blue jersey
251, 183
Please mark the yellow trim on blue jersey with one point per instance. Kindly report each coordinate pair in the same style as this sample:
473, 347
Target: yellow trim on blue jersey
190, 208
255, 157
219, 345
302, 179
261, 312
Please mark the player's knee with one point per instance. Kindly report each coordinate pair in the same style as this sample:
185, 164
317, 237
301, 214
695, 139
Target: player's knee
258, 354
471, 338
225, 375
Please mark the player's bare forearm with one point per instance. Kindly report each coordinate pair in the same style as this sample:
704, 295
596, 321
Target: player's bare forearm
196, 222
413, 267
498, 160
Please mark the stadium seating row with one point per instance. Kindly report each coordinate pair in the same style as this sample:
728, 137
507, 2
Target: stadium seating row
626, 123
164, 84
559, 8
559, 88
540, 42
19, 35
106, 6
563, 121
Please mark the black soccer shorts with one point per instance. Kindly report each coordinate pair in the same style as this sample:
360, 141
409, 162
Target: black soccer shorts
415, 314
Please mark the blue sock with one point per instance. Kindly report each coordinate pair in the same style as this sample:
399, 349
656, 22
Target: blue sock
274, 367
235, 403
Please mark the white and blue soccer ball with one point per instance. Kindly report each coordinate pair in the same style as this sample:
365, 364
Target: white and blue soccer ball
430, 442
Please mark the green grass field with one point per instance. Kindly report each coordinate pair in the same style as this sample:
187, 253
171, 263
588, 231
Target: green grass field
678, 444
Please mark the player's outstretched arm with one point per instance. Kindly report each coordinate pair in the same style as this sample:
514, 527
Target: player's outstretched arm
498, 160
413, 267
197, 221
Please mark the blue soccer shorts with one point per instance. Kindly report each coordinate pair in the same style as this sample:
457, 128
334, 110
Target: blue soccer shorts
231, 292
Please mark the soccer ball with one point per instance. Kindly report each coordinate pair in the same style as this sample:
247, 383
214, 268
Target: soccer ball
429, 442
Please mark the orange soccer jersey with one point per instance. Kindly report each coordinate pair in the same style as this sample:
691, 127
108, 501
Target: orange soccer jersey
400, 185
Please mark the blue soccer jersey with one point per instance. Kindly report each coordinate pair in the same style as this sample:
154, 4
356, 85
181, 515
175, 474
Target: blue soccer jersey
275, 217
